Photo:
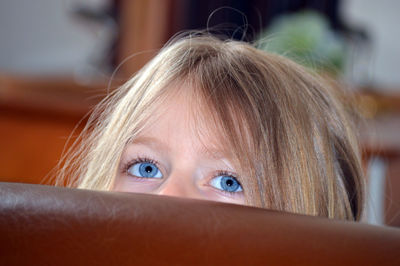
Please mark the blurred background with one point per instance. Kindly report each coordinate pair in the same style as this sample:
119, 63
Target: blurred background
58, 58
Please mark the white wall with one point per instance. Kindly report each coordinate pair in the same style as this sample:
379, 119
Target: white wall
40, 37
382, 21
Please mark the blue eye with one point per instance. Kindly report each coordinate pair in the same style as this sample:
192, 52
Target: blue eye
226, 183
145, 169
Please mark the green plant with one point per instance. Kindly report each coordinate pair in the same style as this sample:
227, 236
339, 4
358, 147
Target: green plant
307, 38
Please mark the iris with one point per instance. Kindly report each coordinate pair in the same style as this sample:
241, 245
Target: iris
145, 169
229, 183
226, 183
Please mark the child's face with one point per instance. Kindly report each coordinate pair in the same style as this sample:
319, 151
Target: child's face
169, 158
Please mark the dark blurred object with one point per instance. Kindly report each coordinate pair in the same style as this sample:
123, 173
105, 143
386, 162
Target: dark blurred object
259, 13
103, 22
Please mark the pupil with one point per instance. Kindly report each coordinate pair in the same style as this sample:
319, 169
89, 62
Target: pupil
148, 169
229, 182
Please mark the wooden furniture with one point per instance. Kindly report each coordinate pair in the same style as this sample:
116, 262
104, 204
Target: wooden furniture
382, 154
37, 117
145, 26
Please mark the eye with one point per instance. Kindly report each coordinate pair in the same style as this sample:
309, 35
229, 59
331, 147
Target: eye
226, 183
145, 170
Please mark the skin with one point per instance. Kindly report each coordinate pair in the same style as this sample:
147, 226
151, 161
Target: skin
185, 152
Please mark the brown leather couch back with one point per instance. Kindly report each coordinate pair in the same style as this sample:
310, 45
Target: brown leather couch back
41, 225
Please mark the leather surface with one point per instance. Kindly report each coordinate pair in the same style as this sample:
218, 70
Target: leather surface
42, 225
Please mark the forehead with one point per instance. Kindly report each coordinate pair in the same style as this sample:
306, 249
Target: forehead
183, 119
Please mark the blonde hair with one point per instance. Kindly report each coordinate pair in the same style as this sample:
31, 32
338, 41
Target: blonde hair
287, 128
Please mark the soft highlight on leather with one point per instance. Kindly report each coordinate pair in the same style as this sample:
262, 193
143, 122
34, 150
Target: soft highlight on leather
43, 225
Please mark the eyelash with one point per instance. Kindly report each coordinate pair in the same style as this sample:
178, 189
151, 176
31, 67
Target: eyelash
149, 160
